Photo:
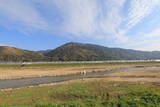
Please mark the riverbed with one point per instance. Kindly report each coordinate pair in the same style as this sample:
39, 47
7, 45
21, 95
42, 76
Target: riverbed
17, 83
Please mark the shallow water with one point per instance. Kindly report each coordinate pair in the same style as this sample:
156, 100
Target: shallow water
17, 83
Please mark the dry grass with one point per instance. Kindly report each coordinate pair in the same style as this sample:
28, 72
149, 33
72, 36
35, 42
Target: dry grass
150, 75
26, 72
142, 76
146, 75
14, 73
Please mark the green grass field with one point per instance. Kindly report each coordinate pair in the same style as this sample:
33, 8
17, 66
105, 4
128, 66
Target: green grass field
84, 94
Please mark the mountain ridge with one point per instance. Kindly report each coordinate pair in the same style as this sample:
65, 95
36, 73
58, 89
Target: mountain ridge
8, 53
74, 51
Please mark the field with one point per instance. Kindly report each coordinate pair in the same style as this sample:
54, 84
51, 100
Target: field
40, 70
125, 89
98, 93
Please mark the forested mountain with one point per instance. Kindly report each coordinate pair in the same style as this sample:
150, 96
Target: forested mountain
89, 52
75, 52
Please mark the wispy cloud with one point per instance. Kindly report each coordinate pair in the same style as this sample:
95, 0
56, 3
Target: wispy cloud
140, 9
154, 33
92, 17
148, 41
111, 18
20, 13
101, 19
80, 17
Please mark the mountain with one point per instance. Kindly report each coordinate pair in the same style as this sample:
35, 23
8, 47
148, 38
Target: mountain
44, 51
14, 54
89, 52
75, 52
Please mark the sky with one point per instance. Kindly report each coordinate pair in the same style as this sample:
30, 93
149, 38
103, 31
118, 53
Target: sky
47, 24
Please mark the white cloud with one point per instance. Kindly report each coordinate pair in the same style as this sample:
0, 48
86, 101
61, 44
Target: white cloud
152, 47
151, 40
140, 9
92, 17
79, 18
112, 19
148, 41
21, 13
154, 33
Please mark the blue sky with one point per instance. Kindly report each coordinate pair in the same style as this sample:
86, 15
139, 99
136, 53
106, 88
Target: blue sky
46, 24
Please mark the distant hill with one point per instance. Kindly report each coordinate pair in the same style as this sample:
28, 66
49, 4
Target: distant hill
44, 51
14, 54
75, 52
89, 52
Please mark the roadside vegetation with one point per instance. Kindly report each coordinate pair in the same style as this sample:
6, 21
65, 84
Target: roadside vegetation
98, 93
